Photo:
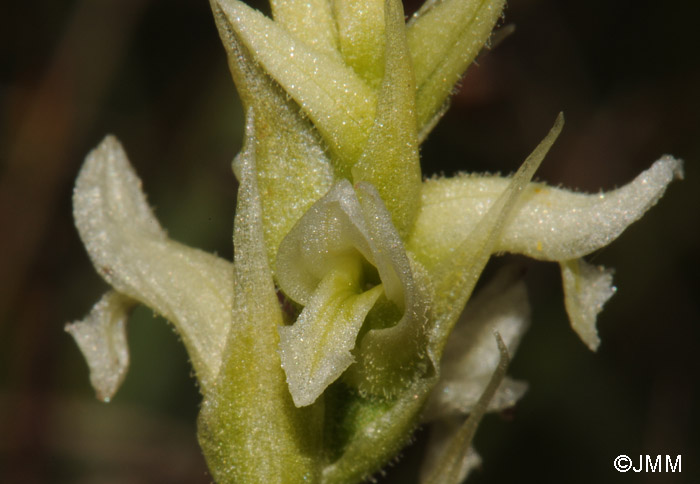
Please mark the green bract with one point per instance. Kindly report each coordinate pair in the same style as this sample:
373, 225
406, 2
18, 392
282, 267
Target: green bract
337, 329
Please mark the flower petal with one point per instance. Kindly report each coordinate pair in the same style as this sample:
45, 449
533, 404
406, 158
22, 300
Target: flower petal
325, 263
315, 350
340, 104
101, 337
310, 262
457, 272
292, 168
586, 289
392, 353
471, 354
131, 252
444, 38
333, 227
320, 265
548, 223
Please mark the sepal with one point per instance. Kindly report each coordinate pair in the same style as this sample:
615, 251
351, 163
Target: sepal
131, 251
586, 289
101, 337
361, 37
547, 224
311, 21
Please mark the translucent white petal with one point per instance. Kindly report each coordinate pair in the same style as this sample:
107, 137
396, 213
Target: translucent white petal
130, 250
334, 226
471, 354
101, 337
388, 356
320, 265
547, 223
586, 289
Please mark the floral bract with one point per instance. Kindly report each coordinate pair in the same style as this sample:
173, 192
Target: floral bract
336, 329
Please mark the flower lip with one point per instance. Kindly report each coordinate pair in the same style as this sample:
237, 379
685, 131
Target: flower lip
320, 265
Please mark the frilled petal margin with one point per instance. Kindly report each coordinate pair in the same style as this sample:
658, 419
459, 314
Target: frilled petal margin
471, 353
547, 223
101, 337
130, 250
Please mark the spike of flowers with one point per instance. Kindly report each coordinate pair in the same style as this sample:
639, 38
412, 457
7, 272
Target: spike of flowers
334, 221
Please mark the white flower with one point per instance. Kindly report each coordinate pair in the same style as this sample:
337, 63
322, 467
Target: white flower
372, 265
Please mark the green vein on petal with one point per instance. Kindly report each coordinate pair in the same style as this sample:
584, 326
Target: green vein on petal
315, 350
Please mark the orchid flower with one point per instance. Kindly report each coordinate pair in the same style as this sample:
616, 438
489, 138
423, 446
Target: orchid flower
340, 325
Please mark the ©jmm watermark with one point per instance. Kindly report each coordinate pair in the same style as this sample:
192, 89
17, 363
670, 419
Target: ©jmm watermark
648, 463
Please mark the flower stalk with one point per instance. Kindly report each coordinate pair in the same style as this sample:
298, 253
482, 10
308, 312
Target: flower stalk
340, 325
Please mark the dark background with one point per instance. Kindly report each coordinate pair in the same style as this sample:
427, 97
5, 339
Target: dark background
625, 73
